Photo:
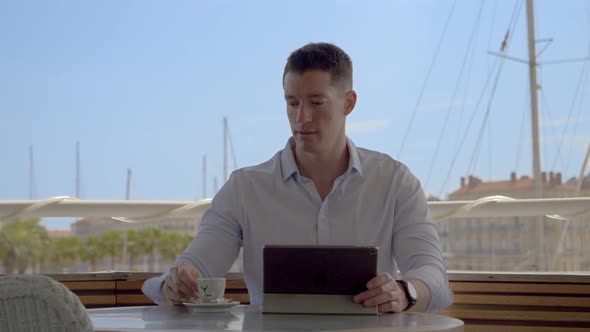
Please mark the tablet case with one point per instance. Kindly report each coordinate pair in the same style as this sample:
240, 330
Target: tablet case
317, 279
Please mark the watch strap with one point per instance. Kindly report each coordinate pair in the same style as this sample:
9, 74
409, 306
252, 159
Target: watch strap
406, 288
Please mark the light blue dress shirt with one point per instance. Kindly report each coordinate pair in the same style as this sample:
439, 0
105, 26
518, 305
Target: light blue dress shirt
376, 202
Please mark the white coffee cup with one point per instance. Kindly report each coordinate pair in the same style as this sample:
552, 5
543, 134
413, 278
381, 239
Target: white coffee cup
211, 289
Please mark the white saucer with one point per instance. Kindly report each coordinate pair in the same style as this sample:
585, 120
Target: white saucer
211, 307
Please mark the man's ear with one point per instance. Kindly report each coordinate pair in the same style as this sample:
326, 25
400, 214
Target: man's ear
349, 102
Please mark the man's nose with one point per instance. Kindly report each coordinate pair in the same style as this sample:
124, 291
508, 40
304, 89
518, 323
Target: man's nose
304, 114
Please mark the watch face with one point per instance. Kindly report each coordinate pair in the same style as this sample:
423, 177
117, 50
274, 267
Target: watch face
412, 291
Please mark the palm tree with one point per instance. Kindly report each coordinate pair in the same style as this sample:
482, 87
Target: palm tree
6, 255
150, 239
172, 244
52, 261
65, 251
90, 252
111, 243
134, 247
23, 243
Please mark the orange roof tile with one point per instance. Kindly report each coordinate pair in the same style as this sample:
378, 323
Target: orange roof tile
522, 184
59, 233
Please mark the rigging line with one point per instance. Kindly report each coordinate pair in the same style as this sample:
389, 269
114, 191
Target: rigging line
522, 121
511, 26
545, 110
475, 155
504, 48
515, 14
456, 154
455, 91
490, 149
588, 21
423, 88
572, 106
465, 95
505, 44
231, 147
577, 121
494, 8
561, 61
477, 149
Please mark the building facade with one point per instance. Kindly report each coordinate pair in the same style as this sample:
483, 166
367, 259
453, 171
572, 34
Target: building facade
97, 226
516, 243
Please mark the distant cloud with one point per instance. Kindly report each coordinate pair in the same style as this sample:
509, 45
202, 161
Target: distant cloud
367, 126
563, 122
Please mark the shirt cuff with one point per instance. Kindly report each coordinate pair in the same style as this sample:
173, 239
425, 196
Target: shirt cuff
441, 295
152, 288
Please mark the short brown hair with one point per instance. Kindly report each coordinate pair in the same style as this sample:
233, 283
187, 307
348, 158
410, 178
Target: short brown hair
323, 56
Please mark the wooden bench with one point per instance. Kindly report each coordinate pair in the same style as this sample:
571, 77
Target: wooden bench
113, 289
486, 302
95, 290
520, 302
128, 292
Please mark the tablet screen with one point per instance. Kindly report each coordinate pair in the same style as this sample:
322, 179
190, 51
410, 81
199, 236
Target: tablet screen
333, 270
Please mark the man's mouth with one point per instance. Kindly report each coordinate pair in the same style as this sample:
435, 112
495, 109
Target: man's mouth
307, 132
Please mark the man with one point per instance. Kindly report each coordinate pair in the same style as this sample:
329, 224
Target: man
323, 190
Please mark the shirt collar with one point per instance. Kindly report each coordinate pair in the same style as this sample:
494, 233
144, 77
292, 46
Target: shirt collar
289, 166
354, 162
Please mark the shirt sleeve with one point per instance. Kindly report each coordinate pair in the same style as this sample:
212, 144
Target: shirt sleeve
152, 288
217, 243
416, 245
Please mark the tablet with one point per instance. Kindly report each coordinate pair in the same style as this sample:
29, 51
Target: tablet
317, 279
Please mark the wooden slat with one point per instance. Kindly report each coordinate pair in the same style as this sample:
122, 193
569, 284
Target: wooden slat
504, 287
91, 276
133, 299
130, 285
136, 285
543, 301
242, 298
129, 276
235, 289
235, 284
94, 300
89, 285
532, 277
518, 315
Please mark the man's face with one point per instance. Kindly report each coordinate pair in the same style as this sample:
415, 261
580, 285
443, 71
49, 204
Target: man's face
317, 109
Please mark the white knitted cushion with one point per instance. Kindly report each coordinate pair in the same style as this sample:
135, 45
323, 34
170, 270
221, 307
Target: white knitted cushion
39, 303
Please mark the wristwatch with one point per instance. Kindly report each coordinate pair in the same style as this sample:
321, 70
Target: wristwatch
410, 291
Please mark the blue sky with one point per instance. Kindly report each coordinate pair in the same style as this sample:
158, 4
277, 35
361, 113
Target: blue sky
145, 85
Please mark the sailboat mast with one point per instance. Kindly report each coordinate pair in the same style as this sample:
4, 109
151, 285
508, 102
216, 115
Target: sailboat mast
128, 185
31, 172
534, 99
538, 187
204, 173
225, 134
78, 180
583, 170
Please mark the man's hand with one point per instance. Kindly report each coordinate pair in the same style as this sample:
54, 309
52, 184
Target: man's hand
180, 284
385, 292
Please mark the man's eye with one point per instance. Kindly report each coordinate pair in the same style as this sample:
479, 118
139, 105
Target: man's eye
317, 103
292, 103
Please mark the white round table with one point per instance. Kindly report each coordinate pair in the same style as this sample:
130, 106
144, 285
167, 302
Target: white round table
249, 318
